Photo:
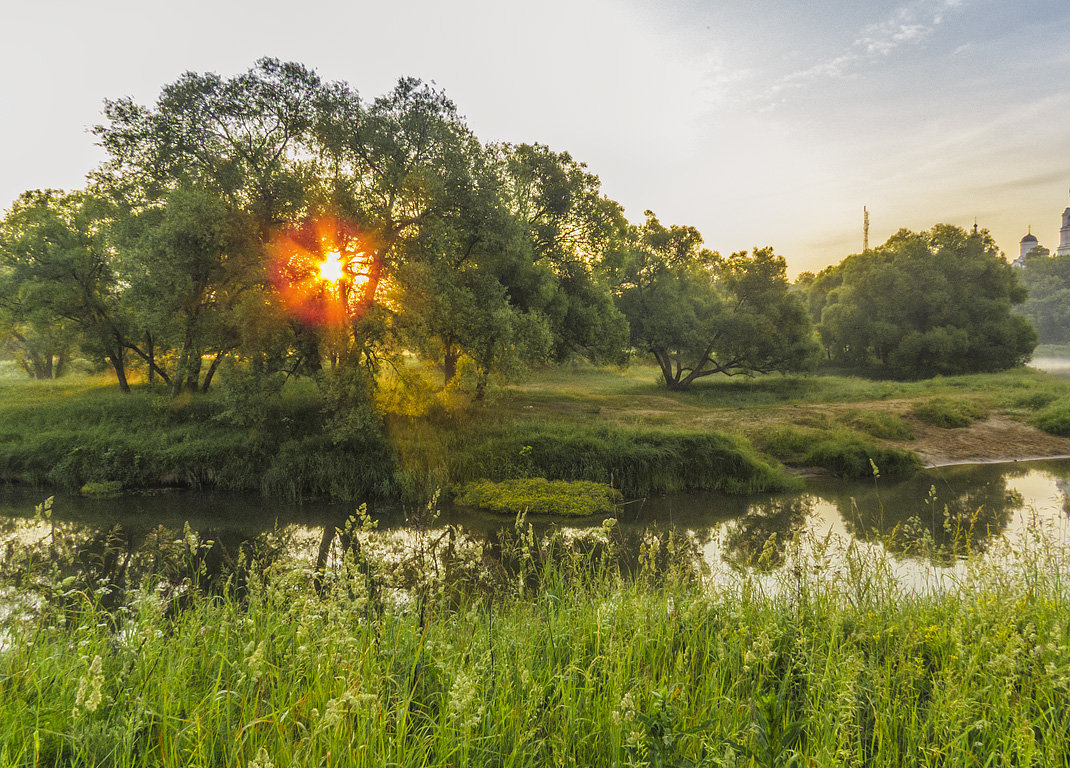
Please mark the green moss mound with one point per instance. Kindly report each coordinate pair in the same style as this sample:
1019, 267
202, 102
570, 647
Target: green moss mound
539, 496
949, 414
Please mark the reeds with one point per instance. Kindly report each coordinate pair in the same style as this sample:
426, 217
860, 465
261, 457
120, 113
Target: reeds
568, 661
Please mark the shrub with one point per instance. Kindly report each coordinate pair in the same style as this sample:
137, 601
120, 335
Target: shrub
949, 414
850, 456
637, 462
786, 442
881, 424
571, 498
1055, 418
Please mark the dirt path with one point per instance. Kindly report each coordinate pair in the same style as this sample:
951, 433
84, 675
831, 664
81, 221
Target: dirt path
995, 439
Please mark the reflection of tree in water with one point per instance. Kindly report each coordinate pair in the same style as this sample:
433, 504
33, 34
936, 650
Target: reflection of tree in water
65, 560
920, 518
759, 538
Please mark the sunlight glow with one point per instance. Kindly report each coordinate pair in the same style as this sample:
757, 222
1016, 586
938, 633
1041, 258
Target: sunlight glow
332, 268
324, 271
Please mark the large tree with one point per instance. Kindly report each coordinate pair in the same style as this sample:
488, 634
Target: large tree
57, 270
191, 265
699, 314
572, 230
924, 303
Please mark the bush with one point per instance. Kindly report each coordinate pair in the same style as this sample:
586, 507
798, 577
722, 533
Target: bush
886, 426
637, 462
536, 495
1055, 419
853, 457
786, 442
949, 414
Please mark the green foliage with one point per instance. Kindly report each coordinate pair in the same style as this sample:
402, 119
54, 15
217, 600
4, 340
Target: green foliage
949, 413
882, 424
636, 461
699, 314
538, 496
1047, 279
921, 304
854, 456
1055, 418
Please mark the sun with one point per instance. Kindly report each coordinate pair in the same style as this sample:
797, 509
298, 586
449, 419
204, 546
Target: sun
325, 270
332, 268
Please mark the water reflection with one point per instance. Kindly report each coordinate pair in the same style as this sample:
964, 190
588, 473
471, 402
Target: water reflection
204, 539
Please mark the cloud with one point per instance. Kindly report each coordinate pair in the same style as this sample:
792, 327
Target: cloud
909, 25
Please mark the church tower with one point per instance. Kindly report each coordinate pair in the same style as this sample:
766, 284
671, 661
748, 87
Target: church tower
1064, 235
1028, 243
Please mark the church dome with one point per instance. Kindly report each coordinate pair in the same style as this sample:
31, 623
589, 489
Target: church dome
1029, 239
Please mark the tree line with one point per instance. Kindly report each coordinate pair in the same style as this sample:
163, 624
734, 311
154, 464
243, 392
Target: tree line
284, 225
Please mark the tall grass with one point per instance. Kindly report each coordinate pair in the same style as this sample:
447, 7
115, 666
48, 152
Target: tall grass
820, 666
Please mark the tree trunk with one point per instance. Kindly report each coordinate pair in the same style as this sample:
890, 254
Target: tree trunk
211, 370
481, 386
193, 366
151, 347
449, 364
117, 362
180, 372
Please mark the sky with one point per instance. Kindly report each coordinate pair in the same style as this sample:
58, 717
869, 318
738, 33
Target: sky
759, 122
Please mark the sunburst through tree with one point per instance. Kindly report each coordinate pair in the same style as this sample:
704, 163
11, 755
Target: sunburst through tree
325, 271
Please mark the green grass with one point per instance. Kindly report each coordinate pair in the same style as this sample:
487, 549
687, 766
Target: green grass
1055, 417
538, 496
845, 453
614, 426
949, 413
833, 667
880, 424
76, 431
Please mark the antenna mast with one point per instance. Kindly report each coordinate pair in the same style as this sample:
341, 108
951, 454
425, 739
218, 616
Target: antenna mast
865, 229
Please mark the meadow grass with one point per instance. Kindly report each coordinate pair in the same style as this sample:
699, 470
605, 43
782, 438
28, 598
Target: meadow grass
579, 664
571, 422
946, 413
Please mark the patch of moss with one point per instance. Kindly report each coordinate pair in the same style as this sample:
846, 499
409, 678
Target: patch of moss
538, 496
102, 488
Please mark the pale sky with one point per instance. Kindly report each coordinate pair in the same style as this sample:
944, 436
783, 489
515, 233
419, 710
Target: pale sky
759, 122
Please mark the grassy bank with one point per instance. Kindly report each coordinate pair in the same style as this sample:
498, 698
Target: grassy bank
617, 427
581, 667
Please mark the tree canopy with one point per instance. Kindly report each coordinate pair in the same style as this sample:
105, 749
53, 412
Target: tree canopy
1047, 279
289, 226
923, 303
700, 314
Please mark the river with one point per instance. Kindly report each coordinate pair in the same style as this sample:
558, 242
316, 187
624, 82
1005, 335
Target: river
927, 524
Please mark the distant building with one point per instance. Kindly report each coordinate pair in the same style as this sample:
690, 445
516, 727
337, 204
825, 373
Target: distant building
1028, 243
1064, 234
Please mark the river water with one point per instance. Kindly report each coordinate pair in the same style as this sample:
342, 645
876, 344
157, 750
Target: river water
927, 523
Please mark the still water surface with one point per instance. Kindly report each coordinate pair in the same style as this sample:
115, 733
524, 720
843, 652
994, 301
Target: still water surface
927, 523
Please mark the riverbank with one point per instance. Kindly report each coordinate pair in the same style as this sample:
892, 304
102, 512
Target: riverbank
617, 427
